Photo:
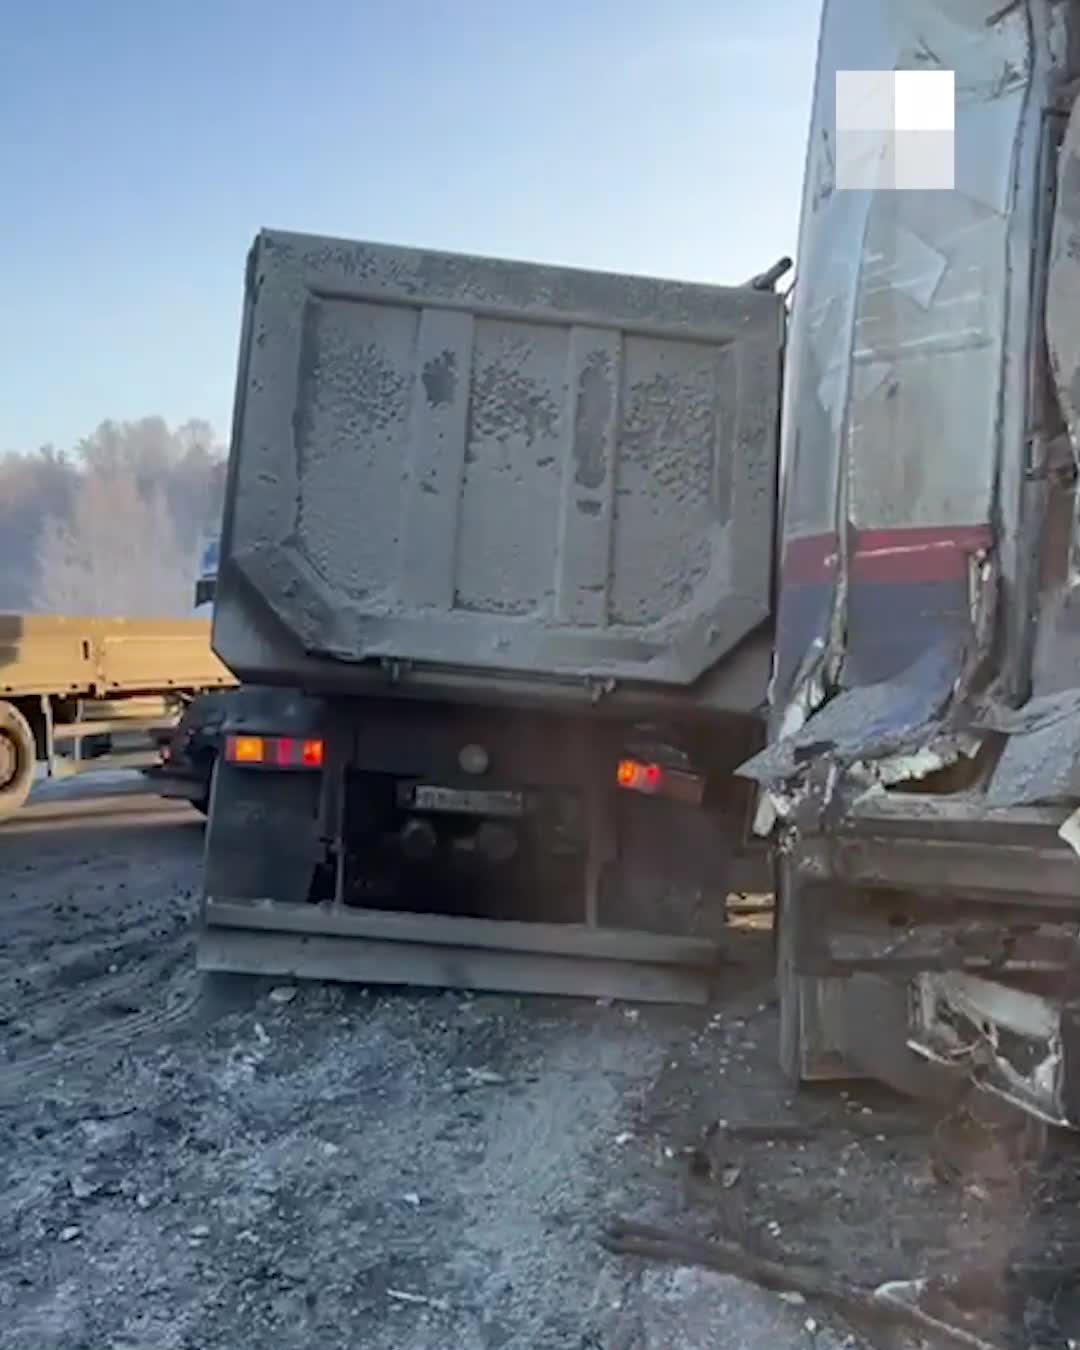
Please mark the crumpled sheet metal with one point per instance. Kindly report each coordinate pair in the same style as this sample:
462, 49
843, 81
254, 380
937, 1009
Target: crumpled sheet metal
833, 746
908, 727
1038, 766
884, 279
875, 721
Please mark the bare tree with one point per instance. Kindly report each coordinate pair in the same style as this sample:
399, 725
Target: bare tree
117, 553
53, 505
32, 488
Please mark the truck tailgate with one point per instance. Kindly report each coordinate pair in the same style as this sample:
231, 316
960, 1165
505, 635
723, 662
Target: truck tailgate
501, 466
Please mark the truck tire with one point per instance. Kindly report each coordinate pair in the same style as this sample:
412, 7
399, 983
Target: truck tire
18, 755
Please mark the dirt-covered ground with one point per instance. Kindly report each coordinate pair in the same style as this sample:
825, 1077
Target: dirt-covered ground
223, 1164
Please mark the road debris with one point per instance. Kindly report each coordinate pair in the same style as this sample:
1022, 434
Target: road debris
421, 1300
70, 1233
479, 1078
869, 1307
283, 993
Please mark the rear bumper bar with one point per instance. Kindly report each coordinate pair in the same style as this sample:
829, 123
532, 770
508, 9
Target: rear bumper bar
950, 849
437, 950
179, 786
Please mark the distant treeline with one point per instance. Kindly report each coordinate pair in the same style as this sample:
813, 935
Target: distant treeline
114, 526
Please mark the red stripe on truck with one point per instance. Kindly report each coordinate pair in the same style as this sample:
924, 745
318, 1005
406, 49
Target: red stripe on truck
912, 553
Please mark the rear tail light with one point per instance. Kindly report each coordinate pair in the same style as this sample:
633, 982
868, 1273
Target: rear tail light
275, 752
639, 777
635, 775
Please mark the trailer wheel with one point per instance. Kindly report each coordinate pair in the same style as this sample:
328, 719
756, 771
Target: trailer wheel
18, 755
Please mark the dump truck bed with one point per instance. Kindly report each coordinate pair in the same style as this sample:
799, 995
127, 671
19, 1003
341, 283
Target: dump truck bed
493, 467
97, 658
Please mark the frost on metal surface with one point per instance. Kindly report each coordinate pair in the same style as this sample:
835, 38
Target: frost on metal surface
498, 465
905, 415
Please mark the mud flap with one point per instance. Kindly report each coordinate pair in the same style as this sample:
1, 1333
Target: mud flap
263, 836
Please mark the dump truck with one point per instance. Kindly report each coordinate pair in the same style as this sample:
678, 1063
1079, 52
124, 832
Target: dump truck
529, 575
495, 564
81, 693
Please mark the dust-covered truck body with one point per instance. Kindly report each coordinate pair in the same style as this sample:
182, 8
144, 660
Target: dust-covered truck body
504, 534
78, 692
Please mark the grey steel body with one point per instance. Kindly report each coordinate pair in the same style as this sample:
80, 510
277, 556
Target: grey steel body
480, 501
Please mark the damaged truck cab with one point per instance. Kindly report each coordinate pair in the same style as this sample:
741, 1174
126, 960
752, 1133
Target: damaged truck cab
921, 777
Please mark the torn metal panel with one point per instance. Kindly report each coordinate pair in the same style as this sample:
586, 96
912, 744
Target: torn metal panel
876, 720
904, 370
1040, 765
910, 365
1020, 1045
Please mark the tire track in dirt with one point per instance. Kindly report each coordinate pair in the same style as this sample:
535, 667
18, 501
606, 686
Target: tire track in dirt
98, 953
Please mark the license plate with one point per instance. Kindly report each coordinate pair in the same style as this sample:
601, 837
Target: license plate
468, 802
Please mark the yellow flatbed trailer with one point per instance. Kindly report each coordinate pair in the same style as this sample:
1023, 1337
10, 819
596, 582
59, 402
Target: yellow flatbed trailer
78, 693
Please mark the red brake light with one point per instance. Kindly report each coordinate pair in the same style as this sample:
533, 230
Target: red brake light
279, 752
638, 777
654, 780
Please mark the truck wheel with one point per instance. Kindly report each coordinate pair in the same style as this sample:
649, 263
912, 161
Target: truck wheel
17, 758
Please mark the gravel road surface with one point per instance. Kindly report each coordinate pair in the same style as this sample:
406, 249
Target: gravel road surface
218, 1164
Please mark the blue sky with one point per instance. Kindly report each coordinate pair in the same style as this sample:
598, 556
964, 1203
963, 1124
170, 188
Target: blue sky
144, 142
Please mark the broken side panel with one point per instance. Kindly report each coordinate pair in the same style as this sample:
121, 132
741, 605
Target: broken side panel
916, 459
906, 397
